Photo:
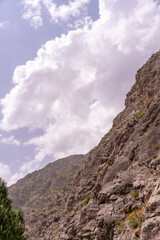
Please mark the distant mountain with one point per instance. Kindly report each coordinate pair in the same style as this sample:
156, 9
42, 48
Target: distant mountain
38, 194
116, 195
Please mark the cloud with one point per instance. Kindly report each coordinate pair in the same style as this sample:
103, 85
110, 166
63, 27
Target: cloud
9, 140
77, 83
62, 13
84, 22
3, 24
5, 172
65, 12
32, 12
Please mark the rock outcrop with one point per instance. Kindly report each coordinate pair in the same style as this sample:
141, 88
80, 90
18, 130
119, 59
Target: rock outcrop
116, 196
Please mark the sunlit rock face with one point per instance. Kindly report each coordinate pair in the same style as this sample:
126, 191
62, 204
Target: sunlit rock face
116, 195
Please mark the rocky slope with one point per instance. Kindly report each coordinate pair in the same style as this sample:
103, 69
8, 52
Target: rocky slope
116, 196
39, 193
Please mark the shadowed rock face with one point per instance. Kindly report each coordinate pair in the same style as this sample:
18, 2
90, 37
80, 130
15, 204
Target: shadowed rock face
39, 193
116, 196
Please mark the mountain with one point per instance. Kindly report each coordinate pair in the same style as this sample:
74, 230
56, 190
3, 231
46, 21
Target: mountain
116, 195
38, 194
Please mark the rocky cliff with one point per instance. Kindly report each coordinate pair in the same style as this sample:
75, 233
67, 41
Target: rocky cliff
116, 196
39, 194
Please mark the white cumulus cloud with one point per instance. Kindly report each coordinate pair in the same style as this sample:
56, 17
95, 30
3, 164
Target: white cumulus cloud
9, 140
78, 82
61, 13
64, 12
5, 172
32, 12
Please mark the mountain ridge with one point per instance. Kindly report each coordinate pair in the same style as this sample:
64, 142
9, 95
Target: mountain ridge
116, 196
38, 192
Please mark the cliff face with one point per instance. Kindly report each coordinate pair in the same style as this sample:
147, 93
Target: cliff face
116, 196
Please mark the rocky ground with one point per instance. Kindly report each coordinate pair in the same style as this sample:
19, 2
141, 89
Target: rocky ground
116, 196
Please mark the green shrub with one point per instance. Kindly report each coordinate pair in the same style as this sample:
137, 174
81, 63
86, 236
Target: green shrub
135, 219
133, 223
120, 130
11, 220
64, 187
100, 174
121, 226
155, 146
111, 234
81, 205
86, 200
58, 230
139, 115
69, 208
138, 70
134, 194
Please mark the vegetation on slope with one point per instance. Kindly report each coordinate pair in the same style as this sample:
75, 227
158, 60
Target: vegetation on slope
11, 221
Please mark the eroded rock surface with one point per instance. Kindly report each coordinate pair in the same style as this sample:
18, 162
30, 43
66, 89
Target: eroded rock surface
117, 194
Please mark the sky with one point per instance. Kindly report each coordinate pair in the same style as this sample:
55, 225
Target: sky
65, 69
